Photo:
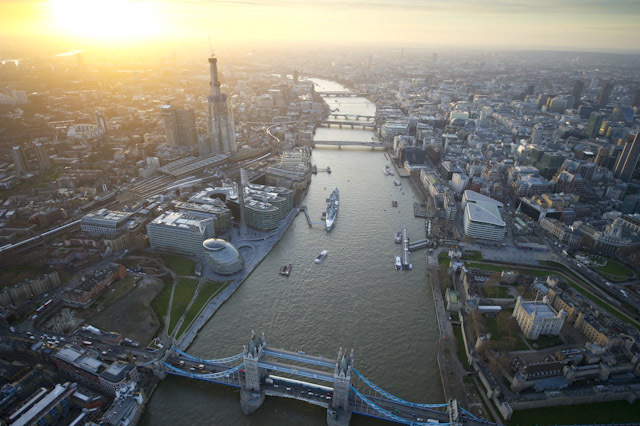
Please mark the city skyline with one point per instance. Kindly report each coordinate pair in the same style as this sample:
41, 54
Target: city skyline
128, 24
171, 250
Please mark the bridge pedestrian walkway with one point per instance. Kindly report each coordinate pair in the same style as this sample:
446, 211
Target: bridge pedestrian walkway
296, 356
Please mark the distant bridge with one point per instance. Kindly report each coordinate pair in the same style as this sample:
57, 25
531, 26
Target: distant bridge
344, 94
340, 144
347, 123
356, 117
337, 385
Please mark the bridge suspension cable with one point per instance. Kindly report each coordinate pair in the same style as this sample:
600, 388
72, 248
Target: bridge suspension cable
218, 375
386, 413
209, 361
395, 398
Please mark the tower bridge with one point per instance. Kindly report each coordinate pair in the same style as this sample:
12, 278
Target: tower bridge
336, 386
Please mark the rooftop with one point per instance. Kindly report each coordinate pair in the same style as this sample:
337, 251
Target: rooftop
187, 221
540, 309
486, 213
116, 372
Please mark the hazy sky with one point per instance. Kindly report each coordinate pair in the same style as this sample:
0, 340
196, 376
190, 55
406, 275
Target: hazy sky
552, 24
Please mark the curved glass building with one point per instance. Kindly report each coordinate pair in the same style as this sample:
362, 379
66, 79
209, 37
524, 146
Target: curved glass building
222, 257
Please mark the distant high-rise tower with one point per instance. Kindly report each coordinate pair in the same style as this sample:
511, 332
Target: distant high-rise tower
636, 98
593, 127
530, 89
628, 159
295, 77
605, 92
19, 160
101, 121
221, 132
536, 134
43, 156
179, 126
577, 92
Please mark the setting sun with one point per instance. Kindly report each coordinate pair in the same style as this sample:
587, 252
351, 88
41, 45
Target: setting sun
106, 20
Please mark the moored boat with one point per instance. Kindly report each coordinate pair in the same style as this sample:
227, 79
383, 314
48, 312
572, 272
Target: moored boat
398, 239
332, 209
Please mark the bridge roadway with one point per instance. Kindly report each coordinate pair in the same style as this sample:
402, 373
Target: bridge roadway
308, 392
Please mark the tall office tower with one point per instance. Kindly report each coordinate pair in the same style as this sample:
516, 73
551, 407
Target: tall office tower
179, 126
628, 159
605, 92
593, 127
577, 92
536, 134
43, 156
101, 121
542, 100
530, 89
221, 132
636, 98
19, 160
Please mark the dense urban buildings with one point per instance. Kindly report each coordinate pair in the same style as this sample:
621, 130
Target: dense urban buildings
138, 205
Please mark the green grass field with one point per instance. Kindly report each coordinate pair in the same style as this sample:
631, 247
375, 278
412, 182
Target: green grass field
496, 292
462, 355
472, 255
181, 298
161, 302
179, 265
615, 271
603, 412
209, 290
546, 341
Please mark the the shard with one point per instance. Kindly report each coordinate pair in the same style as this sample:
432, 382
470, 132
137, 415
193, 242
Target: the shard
221, 132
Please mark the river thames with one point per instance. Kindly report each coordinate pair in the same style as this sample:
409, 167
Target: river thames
354, 299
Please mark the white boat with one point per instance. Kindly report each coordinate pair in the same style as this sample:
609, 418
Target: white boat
398, 263
321, 256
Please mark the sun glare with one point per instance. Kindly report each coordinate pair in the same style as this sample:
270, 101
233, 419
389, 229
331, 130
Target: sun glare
106, 19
